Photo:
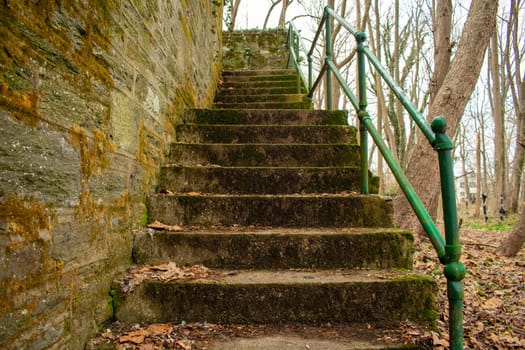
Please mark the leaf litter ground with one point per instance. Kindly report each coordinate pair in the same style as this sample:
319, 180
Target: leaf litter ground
494, 307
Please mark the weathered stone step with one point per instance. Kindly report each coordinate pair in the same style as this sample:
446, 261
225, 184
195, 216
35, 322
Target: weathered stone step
262, 180
258, 91
295, 155
263, 105
264, 72
261, 84
265, 117
262, 76
301, 341
261, 98
276, 134
277, 248
296, 336
282, 297
334, 210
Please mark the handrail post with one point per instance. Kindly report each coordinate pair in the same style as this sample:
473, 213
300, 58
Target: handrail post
454, 270
328, 58
310, 73
297, 46
291, 40
297, 56
363, 133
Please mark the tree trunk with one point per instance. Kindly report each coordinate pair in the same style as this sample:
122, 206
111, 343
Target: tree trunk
477, 206
517, 86
512, 244
398, 106
463, 156
442, 49
275, 3
450, 101
282, 17
380, 98
499, 125
233, 15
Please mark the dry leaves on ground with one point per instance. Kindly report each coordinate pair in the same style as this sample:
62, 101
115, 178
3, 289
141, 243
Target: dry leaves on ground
494, 304
163, 272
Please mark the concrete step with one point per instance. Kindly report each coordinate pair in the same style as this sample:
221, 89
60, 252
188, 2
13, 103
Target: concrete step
274, 98
240, 90
276, 134
301, 342
296, 336
268, 155
335, 210
265, 117
264, 72
249, 248
263, 105
254, 297
258, 76
269, 84
262, 180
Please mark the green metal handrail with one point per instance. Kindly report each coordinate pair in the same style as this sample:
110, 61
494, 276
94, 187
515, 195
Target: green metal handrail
294, 47
448, 250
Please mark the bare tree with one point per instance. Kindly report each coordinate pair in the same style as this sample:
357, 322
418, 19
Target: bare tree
232, 8
450, 101
270, 10
477, 206
513, 58
514, 241
442, 26
497, 97
512, 244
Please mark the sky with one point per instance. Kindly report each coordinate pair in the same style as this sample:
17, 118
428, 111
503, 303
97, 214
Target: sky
253, 12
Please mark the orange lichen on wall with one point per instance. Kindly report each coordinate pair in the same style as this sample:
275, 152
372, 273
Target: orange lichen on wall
24, 106
28, 223
94, 154
25, 216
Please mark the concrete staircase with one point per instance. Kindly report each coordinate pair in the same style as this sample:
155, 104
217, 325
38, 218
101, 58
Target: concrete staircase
264, 192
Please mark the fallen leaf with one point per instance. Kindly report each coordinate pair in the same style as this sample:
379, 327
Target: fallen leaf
478, 328
437, 340
157, 329
184, 344
492, 303
156, 225
136, 337
194, 193
148, 346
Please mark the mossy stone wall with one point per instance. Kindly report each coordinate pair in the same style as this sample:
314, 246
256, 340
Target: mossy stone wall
90, 92
255, 49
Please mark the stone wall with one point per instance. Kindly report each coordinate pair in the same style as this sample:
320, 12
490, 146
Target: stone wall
255, 49
89, 93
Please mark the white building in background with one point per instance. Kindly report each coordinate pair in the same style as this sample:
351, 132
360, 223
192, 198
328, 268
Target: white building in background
461, 194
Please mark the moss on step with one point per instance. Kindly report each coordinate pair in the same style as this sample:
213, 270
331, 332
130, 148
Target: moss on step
266, 117
279, 248
275, 211
283, 297
336, 117
220, 116
291, 155
276, 134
